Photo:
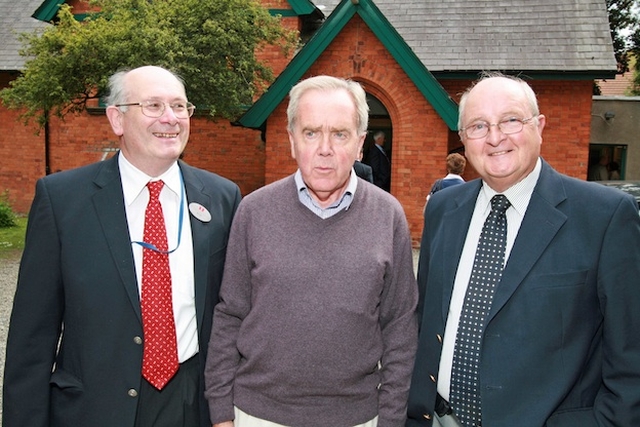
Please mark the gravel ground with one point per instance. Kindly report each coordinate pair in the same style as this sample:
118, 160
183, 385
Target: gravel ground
8, 278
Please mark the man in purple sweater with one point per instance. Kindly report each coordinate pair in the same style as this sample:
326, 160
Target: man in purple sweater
316, 326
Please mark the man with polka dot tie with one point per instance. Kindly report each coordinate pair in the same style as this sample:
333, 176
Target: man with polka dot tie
528, 280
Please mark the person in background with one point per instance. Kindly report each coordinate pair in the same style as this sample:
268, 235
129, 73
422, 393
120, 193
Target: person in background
119, 276
379, 162
316, 326
363, 170
600, 170
528, 281
614, 171
455, 164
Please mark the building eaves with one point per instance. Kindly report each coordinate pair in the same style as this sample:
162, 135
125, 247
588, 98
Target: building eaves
47, 10
302, 7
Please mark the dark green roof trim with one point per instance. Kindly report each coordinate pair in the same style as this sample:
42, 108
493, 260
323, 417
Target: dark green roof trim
47, 10
283, 12
302, 7
257, 115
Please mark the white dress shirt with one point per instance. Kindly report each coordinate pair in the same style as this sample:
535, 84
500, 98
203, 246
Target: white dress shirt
519, 196
136, 198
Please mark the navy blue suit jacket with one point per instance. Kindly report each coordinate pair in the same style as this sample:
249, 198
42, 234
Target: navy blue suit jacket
77, 286
561, 345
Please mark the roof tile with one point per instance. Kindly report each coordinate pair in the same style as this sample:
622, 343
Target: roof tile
546, 35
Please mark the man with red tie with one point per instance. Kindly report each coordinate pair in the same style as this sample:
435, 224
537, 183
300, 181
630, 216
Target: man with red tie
120, 273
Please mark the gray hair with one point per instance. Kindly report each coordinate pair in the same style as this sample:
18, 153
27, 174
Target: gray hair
377, 135
324, 83
528, 93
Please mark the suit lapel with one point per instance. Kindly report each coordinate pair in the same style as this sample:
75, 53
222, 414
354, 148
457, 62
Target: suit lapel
539, 226
200, 234
455, 224
108, 202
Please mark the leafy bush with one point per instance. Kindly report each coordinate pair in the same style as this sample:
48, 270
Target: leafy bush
7, 216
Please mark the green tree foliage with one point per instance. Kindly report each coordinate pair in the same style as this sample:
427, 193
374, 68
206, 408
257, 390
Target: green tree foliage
210, 43
624, 24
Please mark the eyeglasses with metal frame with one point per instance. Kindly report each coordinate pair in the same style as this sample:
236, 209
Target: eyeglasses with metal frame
155, 109
508, 126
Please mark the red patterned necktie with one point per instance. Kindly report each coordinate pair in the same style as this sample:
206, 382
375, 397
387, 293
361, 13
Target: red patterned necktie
160, 355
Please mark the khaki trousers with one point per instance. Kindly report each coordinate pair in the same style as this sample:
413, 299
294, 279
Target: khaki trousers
245, 420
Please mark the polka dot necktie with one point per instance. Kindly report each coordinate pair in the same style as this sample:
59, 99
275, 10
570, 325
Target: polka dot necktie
486, 273
160, 353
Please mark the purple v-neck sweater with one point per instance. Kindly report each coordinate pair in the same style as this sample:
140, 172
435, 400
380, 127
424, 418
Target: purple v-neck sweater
308, 309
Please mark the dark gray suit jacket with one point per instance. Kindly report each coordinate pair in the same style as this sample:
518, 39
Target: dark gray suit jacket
561, 344
364, 171
77, 286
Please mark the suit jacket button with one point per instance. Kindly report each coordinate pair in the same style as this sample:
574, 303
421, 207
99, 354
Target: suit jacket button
427, 416
137, 340
132, 392
432, 378
439, 338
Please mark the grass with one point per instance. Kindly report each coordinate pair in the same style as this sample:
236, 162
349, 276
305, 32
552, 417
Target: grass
12, 239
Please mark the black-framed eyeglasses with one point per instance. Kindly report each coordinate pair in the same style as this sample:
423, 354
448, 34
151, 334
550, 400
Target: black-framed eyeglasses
508, 126
155, 109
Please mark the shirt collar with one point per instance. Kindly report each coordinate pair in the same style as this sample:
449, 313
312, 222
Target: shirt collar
518, 194
345, 199
351, 187
134, 180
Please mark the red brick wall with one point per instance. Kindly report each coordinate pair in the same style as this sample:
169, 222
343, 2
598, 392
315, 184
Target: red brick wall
273, 55
234, 152
421, 139
22, 159
80, 6
567, 107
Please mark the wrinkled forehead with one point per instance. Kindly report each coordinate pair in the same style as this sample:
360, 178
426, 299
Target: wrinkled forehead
332, 105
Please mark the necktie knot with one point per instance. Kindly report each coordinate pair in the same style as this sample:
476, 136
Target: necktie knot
500, 203
155, 187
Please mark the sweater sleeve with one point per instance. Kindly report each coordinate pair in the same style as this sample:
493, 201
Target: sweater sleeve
398, 324
223, 357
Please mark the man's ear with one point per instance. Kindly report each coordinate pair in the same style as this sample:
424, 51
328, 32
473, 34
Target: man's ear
115, 117
292, 142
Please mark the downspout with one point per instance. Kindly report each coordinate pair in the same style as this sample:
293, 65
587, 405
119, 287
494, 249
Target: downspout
47, 144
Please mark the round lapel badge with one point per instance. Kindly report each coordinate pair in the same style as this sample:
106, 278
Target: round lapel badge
199, 211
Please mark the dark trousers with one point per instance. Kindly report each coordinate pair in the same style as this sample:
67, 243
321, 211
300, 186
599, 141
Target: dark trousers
177, 404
